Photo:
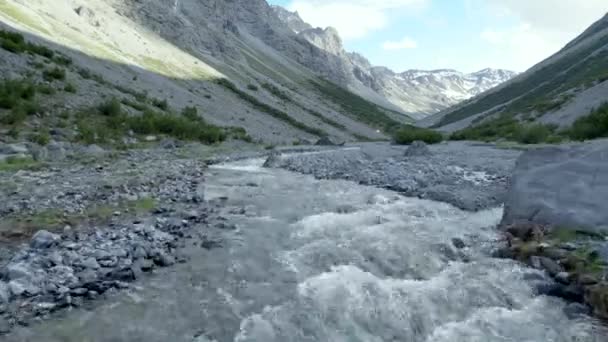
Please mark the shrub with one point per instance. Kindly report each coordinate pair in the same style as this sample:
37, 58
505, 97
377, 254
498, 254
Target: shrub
42, 138
62, 60
191, 113
160, 104
15, 43
70, 88
84, 73
12, 92
15, 116
180, 127
534, 134
46, 89
54, 74
252, 87
409, 134
111, 107
592, 126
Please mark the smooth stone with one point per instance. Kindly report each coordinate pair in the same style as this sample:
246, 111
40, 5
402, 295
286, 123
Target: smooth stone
44, 239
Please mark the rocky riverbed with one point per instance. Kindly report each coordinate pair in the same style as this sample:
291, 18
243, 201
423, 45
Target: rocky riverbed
83, 227
466, 175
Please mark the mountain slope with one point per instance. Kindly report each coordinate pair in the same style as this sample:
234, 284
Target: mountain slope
416, 92
178, 50
558, 90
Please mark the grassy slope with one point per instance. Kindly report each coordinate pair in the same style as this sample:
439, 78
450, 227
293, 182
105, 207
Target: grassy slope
540, 91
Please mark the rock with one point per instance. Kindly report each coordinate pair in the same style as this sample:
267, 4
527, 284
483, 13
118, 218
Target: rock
44, 239
535, 262
563, 278
14, 149
418, 149
458, 243
163, 259
90, 263
87, 276
587, 279
18, 271
597, 297
552, 267
79, 292
5, 292
273, 159
169, 144
561, 186
150, 138
5, 326
576, 310
92, 150
56, 151
325, 141
554, 253
21, 287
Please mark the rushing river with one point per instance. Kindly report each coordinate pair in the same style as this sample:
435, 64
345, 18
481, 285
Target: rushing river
328, 261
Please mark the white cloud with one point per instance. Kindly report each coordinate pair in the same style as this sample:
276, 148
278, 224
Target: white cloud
541, 28
352, 18
405, 43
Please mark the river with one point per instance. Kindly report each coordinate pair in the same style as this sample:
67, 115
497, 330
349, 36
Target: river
318, 260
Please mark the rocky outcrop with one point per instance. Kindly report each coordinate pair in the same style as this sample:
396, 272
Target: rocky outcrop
561, 186
555, 220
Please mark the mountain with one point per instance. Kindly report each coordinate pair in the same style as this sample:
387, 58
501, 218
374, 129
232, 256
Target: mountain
235, 61
416, 92
557, 91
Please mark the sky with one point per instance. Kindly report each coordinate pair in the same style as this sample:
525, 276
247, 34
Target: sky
466, 35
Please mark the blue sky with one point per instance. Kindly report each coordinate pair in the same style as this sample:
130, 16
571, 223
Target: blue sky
467, 35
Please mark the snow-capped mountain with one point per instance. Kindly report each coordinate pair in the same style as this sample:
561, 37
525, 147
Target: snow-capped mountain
419, 93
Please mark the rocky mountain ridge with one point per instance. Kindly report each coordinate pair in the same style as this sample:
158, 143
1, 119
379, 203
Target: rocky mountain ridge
416, 92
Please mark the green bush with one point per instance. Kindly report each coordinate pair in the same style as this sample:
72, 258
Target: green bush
160, 104
15, 116
592, 126
534, 134
253, 87
62, 60
46, 89
70, 88
191, 113
110, 108
15, 43
42, 138
180, 127
54, 74
408, 134
12, 92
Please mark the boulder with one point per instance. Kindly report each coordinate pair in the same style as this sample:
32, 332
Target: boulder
564, 186
44, 239
14, 149
418, 149
273, 159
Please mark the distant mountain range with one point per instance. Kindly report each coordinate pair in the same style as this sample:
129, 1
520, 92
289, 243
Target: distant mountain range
419, 93
556, 91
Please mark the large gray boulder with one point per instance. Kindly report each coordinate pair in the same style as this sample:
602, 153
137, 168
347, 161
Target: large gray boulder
564, 186
418, 149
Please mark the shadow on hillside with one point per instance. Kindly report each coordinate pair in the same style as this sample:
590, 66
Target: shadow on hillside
220, 105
